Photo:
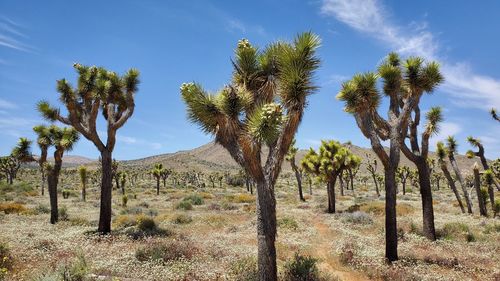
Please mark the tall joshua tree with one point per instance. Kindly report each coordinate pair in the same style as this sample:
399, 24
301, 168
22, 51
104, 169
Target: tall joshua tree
97, 90
290, 157
263, 105
418, 154
44, 142
327, 164
404, 83
451, 149
63, 140
441, 153
83, 172
475, 142
477, 187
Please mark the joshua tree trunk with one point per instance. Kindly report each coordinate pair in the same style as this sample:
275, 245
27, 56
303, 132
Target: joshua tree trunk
376, 184
461, 181
341, 184
310, 187
157, 186
266, 231
43, 181
491, 194
351, 176
426, 194
106, 192
480, 199
331, 194
298, 176
52, 180
391, 235
84, 192
452, 185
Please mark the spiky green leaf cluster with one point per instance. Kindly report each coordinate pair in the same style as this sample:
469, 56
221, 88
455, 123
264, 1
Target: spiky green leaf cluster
22, 150
434, 116
64, 138
264, 124
441, 151
360, 94
451, 144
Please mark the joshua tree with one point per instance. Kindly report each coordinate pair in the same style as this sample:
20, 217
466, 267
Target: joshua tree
63, 140
97, 89
371, 166
327, 164
475, 142
82, 171
451, 149
489, 178
418, 154
157, 172
264, 104
353, 163
404, 83
21, 153
164, 176
290, 157
123, 181
477, 186
436, 177
494, 115
403, 173
441, 153
44, 142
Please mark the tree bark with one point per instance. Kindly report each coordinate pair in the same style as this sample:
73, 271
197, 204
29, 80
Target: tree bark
266, 231
376, 184
391, 234
52, 180
451, 183
106, 193
491, 194
461, 181
298, 176
331, 194
84, 192
341, 184
158, 186
480, 199
429, 230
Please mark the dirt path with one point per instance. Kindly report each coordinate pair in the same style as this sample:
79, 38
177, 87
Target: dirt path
328, 262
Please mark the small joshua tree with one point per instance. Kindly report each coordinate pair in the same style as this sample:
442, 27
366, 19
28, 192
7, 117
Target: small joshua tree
441, 154
21, 153
44, 142
97, 90
290, 157
63, 140
157, 172
404, 83
353, 163
403, 173
451, 149
371, 166
489, 178
83, 172
263, 105
164, 176
327, 164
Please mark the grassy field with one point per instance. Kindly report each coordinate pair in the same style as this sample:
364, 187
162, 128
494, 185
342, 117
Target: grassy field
210, 234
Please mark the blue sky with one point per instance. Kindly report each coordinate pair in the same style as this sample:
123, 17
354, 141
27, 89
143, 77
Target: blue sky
172, 42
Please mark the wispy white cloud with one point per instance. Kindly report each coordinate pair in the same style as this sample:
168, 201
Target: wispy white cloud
335, 79
137, 141
369, 17
11, 36
4, 104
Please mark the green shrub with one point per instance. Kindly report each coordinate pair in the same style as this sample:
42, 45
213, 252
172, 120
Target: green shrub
194, 199
182, 219
244, 269
172, 250
146, 224
228, 206
184, 205
63, 213
357, 217
301, 268
75, 271
124, 200
496, 208
454, 230
41, 209
288, 223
